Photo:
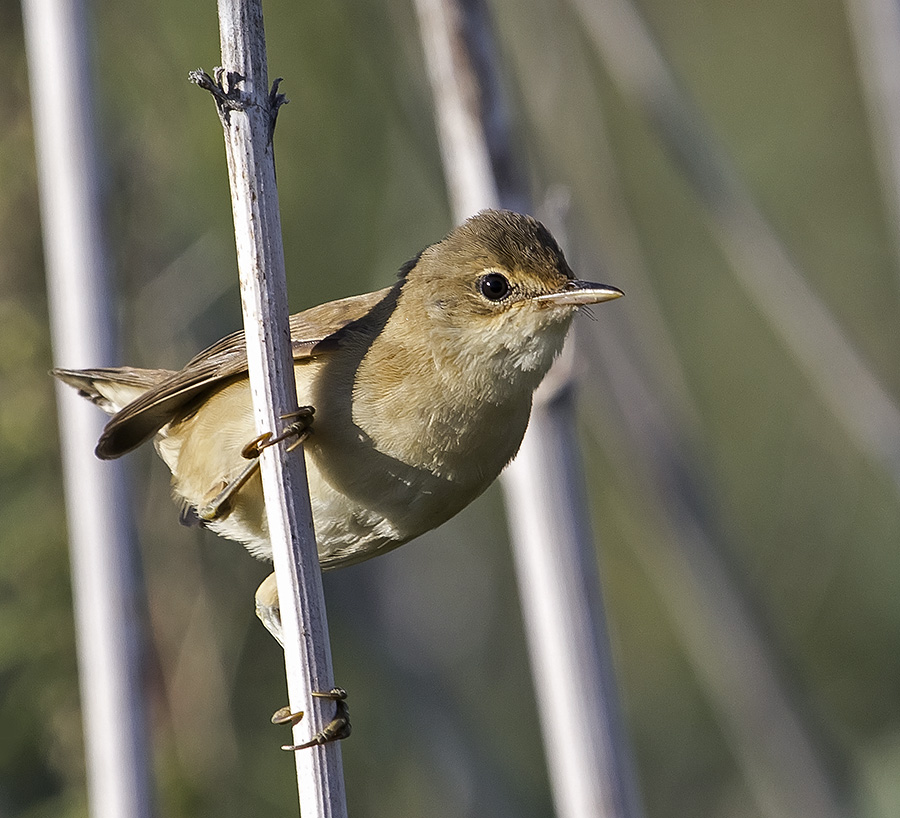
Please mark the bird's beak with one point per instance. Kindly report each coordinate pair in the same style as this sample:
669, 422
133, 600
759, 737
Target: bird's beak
581, 293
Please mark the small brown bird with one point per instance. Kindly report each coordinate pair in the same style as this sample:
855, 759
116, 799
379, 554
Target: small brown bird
421, 391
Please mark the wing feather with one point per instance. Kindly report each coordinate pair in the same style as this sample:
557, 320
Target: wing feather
314, 332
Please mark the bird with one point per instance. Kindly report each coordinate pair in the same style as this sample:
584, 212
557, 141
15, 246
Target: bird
413, 399
416, 396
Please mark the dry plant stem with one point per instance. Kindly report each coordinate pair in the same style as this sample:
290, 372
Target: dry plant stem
588, 755
875, 25
588, 758
102, 553
247, 109
779, 756
464, 151
761, 264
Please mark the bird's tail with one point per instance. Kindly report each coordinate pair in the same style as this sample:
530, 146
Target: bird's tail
112, 388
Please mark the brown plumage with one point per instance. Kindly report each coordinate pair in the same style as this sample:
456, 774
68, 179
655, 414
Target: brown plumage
422, 392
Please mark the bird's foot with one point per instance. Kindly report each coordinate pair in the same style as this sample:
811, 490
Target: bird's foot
336, 730
300, 426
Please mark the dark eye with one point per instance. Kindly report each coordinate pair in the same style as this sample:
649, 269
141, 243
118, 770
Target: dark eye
494, 286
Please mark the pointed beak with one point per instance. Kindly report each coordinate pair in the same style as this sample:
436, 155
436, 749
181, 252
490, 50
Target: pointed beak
581, 293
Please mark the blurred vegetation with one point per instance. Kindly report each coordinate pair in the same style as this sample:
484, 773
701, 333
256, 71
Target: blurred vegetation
428, 639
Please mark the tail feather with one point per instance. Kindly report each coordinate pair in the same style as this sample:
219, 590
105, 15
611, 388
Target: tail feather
112, 389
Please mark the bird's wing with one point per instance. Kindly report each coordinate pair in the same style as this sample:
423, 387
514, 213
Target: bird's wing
314, 332
112, 388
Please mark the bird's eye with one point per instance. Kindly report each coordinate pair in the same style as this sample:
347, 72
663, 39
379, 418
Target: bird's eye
494, 286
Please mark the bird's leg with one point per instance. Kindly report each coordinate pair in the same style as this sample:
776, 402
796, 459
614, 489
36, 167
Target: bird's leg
267, 607
220, 505
336, 730
299, 427
269, 611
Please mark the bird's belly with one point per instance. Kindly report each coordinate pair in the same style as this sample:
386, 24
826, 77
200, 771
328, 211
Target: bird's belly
364, 500
350, 526
386, 508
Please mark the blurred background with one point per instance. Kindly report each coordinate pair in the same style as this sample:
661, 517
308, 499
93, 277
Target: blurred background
736, 410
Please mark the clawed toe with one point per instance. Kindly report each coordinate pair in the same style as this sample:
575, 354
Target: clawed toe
283, 715
336, 730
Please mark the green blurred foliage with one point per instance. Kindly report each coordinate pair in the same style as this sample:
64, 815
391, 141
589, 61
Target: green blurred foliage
428, 639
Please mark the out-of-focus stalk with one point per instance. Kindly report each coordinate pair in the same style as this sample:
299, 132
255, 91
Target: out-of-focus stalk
588, 758
102, 553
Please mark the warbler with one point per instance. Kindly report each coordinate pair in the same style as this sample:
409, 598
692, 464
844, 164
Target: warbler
421, 391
